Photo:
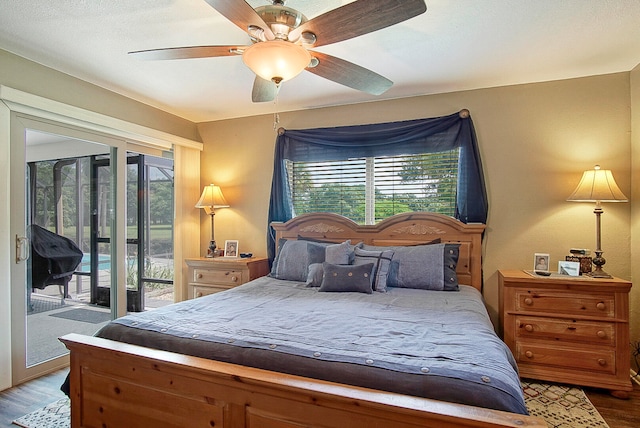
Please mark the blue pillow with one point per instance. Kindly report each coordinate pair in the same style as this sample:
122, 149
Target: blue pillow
294, 257
322, 243
292, 261
337, 254
428, 266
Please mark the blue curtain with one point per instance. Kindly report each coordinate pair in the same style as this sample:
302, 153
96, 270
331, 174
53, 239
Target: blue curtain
383, 139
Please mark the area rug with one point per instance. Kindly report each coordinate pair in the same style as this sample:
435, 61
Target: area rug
41, 303
54, 415
84, 315
561, 406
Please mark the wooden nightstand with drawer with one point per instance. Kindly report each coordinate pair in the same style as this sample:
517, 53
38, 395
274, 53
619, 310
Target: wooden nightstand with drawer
570, 330
210, 275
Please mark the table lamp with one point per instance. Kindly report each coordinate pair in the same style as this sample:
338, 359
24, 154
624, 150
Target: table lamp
597, 185
211, 199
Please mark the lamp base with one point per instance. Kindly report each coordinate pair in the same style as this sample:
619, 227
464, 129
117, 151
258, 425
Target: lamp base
211, 251
598, 273
599, 261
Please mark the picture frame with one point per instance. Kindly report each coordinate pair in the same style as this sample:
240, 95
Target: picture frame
569, 268
541, 262
231, 249
586, 262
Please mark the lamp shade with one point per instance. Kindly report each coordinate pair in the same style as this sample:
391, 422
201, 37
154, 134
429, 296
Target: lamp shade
212, 197
276, 60
597, 185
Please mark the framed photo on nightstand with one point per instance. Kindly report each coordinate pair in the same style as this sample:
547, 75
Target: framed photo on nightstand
541, 262
231, 249
569, 268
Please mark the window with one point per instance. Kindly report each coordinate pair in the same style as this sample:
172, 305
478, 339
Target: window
428, 164
370, 189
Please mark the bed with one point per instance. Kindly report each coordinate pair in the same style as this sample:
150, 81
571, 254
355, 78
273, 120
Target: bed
248, 357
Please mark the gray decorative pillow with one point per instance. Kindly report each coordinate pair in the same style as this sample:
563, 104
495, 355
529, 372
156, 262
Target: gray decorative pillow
337, 254
381, 261
347, 278
322, 243
429, 267
314, 277
292, 261
294, 257
317, 252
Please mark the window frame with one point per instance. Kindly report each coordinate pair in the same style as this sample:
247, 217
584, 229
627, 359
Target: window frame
365, 172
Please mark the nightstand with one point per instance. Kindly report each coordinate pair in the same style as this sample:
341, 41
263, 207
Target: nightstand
210, 275
568, 329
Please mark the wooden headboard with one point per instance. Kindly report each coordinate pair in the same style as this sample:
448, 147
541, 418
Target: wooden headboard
401, 229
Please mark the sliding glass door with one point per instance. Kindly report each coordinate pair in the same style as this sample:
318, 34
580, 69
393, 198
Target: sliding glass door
59, 133
58, 211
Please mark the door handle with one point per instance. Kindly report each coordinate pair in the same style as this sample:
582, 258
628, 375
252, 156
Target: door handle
22, 248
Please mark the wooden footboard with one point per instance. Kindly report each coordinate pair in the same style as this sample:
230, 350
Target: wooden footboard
120, 385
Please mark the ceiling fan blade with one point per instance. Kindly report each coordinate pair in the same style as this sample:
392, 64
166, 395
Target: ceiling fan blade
358, 18
242, 14
188, 52
263, 90
349, 74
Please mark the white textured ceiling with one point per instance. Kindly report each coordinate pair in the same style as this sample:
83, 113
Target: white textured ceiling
456, 45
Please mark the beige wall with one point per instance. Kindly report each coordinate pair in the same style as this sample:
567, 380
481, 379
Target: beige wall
535, 141
635, 207
27, 76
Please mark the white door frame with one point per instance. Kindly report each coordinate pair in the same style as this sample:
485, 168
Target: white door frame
129, 134
18, 191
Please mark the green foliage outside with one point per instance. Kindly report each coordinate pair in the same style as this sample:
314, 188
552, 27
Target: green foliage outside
151, 270
160, 197
75, 179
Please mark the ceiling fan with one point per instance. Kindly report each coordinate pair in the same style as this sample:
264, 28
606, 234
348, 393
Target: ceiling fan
281, 38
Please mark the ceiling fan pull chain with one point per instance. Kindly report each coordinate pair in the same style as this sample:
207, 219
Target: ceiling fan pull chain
276, 115
276, 121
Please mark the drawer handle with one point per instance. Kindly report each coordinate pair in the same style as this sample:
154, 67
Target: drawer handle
199, 294
602, 362
234, 278
601, 306
528, 354
528, 301
528, 327
601, 334
199, 276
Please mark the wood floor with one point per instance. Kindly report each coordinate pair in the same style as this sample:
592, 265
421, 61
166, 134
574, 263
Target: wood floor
37, 393
618, 413
30, 396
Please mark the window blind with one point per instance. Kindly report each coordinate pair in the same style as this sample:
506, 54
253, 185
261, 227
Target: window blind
370, 189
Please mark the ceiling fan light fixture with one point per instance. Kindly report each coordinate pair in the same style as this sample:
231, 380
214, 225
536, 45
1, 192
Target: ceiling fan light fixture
276, 60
